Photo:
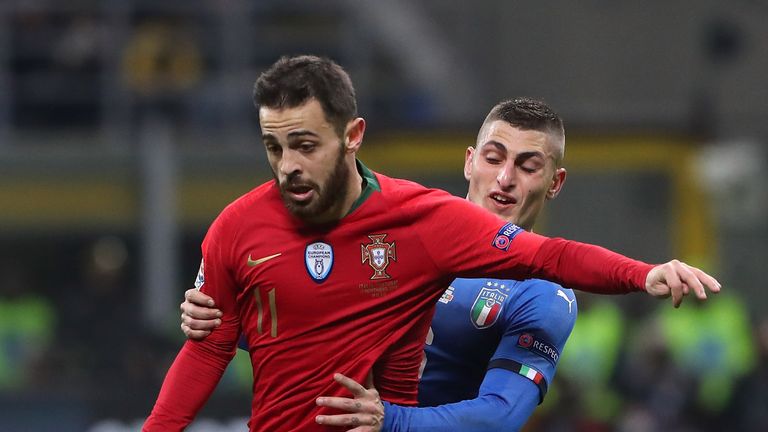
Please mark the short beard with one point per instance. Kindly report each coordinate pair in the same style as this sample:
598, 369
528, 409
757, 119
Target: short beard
329, 195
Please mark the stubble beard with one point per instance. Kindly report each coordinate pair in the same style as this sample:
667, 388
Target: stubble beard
327, 196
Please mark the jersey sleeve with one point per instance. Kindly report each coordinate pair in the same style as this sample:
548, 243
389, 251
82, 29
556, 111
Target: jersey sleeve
465, 240
535, 333
505, 402
199, 365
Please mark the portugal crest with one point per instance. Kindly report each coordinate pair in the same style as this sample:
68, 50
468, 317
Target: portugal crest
378, 255
487, 307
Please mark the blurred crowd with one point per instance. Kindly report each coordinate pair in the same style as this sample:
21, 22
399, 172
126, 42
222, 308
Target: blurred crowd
630, 366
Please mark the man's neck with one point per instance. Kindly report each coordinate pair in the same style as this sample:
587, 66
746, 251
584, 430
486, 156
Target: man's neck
355, 187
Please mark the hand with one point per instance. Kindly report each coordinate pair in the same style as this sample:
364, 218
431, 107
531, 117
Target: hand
366, 407
677, 279
198, 315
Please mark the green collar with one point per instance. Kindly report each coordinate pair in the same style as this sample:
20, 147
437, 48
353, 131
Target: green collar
370, 185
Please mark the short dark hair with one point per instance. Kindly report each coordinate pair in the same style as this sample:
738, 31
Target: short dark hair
530, 114
293, 80
527, 114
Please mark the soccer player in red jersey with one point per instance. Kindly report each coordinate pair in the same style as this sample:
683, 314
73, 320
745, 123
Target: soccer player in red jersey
327, 267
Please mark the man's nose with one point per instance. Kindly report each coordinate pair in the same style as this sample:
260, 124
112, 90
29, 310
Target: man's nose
289, 163
507, 176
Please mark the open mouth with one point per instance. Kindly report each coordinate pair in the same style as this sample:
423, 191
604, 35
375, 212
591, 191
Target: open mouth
502, 199
300, 193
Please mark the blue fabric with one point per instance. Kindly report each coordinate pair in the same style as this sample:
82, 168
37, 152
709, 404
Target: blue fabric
478, 322
505, 402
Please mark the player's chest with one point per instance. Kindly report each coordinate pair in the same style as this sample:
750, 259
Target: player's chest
473, 310
338, 265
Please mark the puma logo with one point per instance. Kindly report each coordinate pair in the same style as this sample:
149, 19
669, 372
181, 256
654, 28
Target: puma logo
561, 293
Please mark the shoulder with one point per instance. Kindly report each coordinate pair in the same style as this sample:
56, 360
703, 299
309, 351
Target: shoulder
260, 198
403, 189
547, 305
406, 191
262, 194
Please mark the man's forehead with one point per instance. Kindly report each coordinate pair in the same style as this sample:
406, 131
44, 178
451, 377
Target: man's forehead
500, 135
310, 107
309, 117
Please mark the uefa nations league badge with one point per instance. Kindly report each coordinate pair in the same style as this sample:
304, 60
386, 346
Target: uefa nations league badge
318, 258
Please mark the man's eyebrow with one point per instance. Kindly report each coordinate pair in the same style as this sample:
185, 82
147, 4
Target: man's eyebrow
293, 134
302, 132
499, 146
530, 154
268, 137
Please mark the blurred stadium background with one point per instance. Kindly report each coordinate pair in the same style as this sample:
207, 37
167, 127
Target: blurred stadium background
126, 125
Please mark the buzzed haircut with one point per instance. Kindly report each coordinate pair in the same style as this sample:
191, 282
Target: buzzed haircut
530, 114
294, 80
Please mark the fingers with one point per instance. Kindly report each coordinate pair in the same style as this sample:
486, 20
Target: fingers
364, 417
711, 283
342, 403
199, 312
194, 334
193, 295
674, 283
365, 412
198, 306
353, 420
678, 279
691, 280
353, 386
199, 324
362, 413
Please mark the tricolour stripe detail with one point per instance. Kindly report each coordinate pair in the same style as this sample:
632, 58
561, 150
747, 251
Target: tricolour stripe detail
526, 371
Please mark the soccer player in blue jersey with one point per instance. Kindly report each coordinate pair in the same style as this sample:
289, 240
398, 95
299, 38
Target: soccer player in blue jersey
493, 345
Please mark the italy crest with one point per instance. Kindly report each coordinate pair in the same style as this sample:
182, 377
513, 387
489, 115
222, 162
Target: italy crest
378, 254
487, 307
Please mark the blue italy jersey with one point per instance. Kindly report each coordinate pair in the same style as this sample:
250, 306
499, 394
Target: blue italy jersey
482, 324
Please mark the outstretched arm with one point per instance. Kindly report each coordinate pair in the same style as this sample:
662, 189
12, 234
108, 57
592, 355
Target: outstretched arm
505, 402
492, 247
598, 270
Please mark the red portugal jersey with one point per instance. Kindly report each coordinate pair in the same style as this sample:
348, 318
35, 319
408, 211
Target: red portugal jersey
353, 296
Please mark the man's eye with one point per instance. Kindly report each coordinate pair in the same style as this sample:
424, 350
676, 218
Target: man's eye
492, 160
307, 147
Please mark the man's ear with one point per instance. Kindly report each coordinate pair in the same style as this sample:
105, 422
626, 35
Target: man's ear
558, 180
353, 135
468, 156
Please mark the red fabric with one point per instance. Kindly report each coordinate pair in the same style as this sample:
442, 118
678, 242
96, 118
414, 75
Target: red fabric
585, 267
300, 331
188, 384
